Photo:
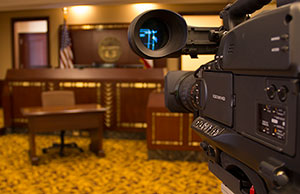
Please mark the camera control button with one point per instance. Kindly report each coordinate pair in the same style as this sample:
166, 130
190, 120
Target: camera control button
216, 132
284, 48
213, 131
282, 93
200, 126
284, 37
208, 129
271, 91
205, 126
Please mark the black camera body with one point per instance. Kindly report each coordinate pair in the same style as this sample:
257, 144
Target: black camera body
246, 101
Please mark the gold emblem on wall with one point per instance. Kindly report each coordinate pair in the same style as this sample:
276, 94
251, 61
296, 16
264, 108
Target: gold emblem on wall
109, 49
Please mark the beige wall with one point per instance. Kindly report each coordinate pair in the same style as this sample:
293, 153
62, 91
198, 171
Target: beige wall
187, 63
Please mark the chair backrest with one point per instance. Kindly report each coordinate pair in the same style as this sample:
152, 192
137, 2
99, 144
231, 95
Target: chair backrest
58, 98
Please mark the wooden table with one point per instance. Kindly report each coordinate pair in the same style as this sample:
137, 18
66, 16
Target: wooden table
77, 117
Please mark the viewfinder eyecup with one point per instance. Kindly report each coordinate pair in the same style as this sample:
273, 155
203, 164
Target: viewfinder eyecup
157, 33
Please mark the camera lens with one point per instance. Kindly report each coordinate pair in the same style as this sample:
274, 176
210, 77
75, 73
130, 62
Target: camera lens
154, 34
180, 91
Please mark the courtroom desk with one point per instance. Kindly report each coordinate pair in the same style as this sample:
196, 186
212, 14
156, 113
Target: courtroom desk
167, 130
124, 92
77, 117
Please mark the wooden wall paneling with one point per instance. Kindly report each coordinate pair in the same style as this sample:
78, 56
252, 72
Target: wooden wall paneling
7, 105
24, 94
82, 45
167, 130
51, 85
131, 102
87, 95
108, 39
88, 74
126, 104
131, 99
85, 92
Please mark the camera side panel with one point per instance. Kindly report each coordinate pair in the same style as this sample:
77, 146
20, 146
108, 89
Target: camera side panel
219, 97
268, 117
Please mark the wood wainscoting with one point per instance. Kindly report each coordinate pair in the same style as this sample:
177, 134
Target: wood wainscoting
167, 130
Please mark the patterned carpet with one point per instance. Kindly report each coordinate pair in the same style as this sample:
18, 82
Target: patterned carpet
124, 170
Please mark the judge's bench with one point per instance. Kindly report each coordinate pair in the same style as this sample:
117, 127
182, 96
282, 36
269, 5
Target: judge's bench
123, 92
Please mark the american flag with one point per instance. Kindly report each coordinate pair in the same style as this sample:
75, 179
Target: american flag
147, 63
66, 54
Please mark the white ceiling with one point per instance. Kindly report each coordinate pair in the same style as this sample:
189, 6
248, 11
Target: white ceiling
11, 5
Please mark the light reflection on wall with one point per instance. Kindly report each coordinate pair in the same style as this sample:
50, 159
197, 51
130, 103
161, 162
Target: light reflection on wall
81, 13
142, 7
187, 63
107, 13
82, 9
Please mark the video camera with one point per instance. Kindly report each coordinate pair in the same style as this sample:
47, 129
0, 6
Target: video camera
246, 101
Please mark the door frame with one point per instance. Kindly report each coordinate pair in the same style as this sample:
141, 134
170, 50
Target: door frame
13, 21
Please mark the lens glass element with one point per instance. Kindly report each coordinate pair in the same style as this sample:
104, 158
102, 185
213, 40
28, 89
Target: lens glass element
154, 34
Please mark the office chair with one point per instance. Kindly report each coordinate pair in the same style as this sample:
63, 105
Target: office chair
59, 98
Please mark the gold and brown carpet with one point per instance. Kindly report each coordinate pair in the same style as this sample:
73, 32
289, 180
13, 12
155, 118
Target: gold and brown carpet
124, 170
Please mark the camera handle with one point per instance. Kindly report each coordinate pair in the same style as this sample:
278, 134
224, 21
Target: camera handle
236, 13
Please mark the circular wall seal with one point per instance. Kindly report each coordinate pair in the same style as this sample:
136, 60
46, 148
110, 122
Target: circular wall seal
109, 49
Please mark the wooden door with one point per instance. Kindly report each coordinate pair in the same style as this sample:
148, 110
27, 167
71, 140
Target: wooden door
33, 50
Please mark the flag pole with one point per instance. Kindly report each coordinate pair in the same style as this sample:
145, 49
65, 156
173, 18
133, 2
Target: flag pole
65, 11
